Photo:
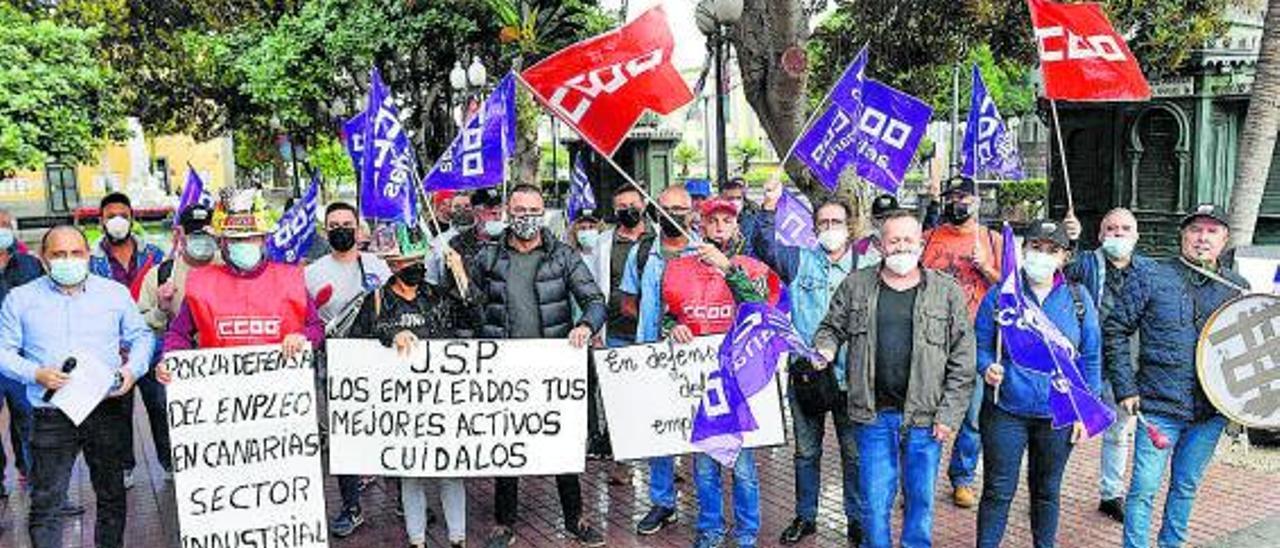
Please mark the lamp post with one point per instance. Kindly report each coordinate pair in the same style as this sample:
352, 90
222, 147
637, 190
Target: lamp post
714, 17
465, 83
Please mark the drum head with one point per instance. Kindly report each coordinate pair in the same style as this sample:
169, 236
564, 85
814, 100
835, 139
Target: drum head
1238, 360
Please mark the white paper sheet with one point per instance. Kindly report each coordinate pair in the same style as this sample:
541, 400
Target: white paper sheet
90, 382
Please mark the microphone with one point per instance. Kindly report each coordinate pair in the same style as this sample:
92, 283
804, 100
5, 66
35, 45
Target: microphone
67, 367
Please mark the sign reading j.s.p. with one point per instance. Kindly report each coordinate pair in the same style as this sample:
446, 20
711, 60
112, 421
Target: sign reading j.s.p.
651, 392
246, 448
457, 408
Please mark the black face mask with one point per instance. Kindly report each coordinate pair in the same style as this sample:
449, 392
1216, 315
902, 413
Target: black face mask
463, 219
629, 217
957, 213
671, 230
342, 239
413, 275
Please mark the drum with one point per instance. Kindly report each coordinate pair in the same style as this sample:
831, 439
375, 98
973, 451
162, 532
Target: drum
1238, 360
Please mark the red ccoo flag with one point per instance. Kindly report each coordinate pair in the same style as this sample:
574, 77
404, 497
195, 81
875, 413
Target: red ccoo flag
1082, 58
602, 85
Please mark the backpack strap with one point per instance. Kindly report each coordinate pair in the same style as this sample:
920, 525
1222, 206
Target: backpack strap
643, 248
1077, 301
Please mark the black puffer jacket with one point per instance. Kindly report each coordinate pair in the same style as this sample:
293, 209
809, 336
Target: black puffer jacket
560, 276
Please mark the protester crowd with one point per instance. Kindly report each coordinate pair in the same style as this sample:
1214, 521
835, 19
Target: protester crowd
906, 318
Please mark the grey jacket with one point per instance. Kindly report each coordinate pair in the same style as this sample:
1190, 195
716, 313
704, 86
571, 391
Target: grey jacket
943, 370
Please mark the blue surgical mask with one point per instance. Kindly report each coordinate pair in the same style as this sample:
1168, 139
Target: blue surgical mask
201, 247
6, 238
588, 238
244, 255
1118, 248
69, 272
1039, 266
494, 228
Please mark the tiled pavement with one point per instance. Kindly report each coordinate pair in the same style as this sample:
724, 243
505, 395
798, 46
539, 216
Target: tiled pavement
1232, 499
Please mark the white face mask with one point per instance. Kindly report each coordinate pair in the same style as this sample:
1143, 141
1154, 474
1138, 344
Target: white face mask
833, 239
902, 262
1039, 266
118, 227
1118, 248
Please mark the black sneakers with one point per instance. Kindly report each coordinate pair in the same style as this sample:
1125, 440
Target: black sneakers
1113, 508
796, 532
657, 518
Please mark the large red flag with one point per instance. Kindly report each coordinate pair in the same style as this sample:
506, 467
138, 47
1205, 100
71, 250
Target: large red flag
1082, 57
602, 85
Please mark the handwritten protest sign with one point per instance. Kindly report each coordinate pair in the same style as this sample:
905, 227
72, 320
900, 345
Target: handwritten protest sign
651, 392
246, 448
457, 408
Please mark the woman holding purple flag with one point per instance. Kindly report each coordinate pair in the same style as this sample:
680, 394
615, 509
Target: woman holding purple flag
1018, 408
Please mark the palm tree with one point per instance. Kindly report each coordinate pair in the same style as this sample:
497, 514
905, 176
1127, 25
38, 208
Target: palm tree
1258, 140
686, 155
746, 151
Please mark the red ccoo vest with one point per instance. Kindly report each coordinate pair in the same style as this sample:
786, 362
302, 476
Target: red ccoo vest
230, 310
697, 295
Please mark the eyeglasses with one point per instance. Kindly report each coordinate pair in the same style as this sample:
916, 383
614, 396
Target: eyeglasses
830, 223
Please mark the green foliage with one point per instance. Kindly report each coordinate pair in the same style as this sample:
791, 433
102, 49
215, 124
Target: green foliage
560, 158
687, 155
756, 177
914, 44
57, 98
330, 158
745, 152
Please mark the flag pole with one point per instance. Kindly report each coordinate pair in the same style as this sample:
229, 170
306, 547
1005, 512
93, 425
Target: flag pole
1062, 155
625, 176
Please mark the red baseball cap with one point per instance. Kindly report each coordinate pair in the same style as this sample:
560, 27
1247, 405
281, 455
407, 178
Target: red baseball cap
714, 205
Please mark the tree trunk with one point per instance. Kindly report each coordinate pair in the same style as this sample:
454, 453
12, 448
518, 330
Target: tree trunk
766, 30
1258, 140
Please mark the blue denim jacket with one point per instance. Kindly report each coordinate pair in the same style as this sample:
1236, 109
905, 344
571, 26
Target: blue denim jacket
811, 280
1025, 392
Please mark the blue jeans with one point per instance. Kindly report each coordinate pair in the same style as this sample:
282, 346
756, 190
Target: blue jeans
1115, 449
1005, 437
14, 394
746, 498
968, 444
809, 431
886, 452
662, 482
1191, 449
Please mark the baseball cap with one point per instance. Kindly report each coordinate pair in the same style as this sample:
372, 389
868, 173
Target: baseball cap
698, 188
1204, 211
960, 184
195, 218
1050, 230
486, 197
715, 205
588, 215
882, 205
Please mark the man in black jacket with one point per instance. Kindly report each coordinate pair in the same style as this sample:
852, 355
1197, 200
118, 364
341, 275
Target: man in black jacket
527, 281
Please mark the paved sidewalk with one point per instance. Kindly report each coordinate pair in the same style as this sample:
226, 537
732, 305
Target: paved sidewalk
1237, 508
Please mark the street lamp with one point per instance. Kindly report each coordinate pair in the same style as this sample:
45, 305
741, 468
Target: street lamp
465, 82
714, 17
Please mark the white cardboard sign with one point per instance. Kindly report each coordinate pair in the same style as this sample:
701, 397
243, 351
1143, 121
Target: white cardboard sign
246, 448
457, 408
651, 392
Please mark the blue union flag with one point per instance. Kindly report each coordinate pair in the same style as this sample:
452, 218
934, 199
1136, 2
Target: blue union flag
869, 125
386, 158
477, 158
990, 149
748, 361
